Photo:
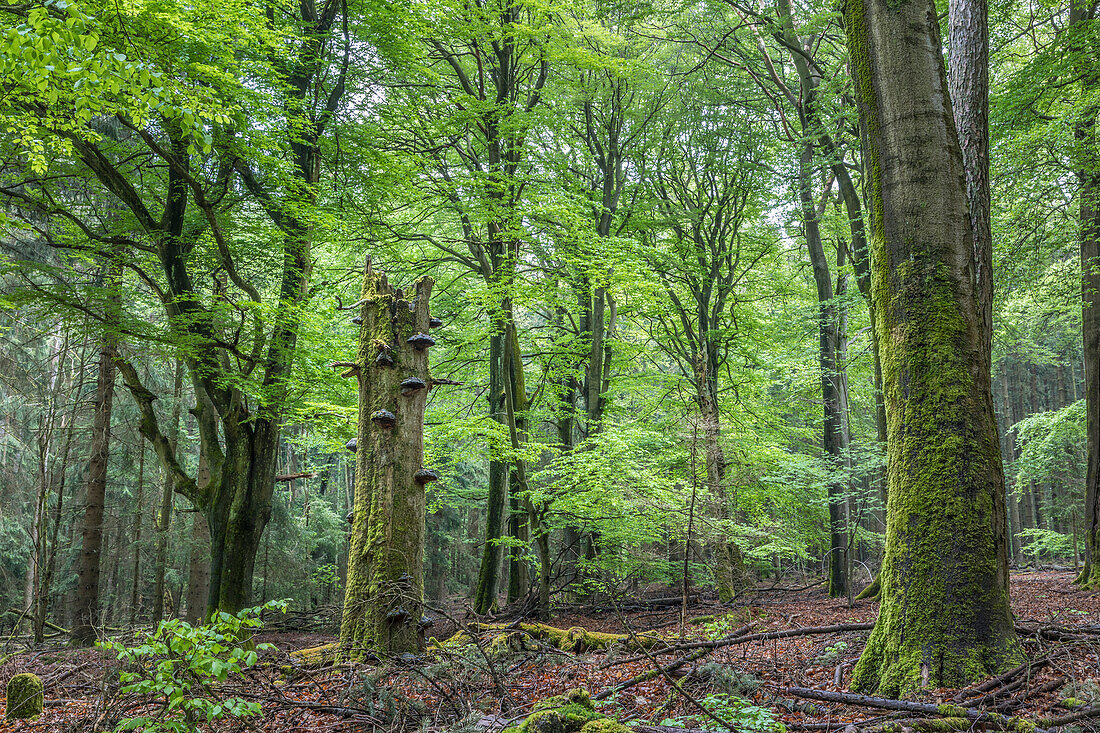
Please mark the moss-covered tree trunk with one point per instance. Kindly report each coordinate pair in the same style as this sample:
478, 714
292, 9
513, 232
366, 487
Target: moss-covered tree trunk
730, 574
384, 600
944, 618
164, 513
1088, 177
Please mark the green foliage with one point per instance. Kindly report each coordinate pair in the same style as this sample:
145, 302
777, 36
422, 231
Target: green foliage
1052, 446
738, 713
1039, 542
178, 665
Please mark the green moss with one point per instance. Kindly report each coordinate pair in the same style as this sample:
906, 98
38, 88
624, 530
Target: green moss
944, 724
576, 696
25, 697
316, 656
604, 725
1072, 703
1021, 725
568, 718
952, 711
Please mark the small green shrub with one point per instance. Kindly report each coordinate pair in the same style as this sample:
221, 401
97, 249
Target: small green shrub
739, 713
178, 665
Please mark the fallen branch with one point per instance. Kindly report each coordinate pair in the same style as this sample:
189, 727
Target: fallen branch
293, 476
1093, 712
1056, 633
651, 674
738, 637
883, 703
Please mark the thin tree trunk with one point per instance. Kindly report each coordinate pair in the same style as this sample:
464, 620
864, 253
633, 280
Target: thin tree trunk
42, 606
86, 597
1082, 12
829, 379
135, 567
485, 595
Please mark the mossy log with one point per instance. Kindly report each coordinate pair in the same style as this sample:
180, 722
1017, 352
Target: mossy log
25, 697
574, 639
870, 591
316, 656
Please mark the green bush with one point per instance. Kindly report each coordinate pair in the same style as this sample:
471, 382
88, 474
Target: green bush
179, 664
739, 713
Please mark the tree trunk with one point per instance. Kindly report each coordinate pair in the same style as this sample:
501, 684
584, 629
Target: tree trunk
198, 569
944, 618
485, 596
831, 394
1088, 176
135, 565
730, 573
164, 515
86, 598
1010, 453
43, 595
384, 600
518, 581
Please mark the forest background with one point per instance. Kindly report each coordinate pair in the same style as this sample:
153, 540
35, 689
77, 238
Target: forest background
653, 359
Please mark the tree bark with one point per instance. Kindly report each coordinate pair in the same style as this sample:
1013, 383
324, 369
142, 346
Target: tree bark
86, 598
198, 569
485, 594
164, 514
944, 618
135, 566
1088, 176
384, 600
832, 396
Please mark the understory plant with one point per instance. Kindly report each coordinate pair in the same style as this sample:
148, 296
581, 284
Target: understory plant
738, 712
179, 666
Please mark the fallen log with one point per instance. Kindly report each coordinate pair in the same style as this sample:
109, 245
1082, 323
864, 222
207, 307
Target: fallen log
737, 637
574, 639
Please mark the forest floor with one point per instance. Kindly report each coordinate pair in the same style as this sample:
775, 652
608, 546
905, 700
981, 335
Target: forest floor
483, 688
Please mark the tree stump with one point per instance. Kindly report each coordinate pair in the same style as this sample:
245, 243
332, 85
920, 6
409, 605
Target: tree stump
24, 697
383, 604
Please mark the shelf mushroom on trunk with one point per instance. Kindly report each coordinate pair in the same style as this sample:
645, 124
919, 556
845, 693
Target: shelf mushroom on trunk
384, 602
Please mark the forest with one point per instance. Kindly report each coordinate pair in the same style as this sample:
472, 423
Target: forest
550, 366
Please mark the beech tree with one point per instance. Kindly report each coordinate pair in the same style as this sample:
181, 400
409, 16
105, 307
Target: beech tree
177, 174
944, 617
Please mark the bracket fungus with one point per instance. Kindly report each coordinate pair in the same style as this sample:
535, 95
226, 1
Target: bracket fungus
425, 476
384, 419
352, 444
398, 615
420, 341
412, 384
